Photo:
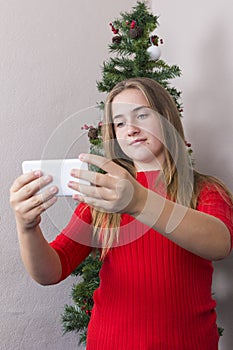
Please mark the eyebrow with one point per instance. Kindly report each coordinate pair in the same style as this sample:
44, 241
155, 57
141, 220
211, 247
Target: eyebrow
134, 110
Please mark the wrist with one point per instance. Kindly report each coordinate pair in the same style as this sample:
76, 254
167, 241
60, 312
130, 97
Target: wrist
23, 228
151, 207
139, 202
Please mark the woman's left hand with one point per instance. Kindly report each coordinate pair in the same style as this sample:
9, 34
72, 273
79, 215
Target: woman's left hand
115, 191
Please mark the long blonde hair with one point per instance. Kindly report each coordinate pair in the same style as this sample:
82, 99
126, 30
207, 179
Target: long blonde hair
177, 162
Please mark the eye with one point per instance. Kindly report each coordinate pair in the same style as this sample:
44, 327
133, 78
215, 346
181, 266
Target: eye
142, 116
119, 124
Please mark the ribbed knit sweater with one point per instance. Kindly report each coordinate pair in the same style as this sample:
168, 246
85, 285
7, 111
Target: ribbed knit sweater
153, 294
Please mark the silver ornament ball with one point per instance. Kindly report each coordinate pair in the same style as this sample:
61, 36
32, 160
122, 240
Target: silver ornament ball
154, 52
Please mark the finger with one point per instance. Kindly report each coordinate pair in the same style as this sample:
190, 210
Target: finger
37, 211
92, 191
25, 179
45, 204
92, 177
42, 197
34, 186
101, 162
36, 201
99, 204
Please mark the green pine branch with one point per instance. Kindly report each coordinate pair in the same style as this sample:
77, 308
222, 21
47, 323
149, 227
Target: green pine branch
131, 58
75, 318
140, 13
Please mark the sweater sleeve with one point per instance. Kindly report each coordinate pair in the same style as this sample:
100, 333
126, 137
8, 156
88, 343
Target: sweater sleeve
73, 244
214, 201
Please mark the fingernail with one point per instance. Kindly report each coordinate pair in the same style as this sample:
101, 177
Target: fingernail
53, 189
47, 178
37, 173
82, 156
77, 197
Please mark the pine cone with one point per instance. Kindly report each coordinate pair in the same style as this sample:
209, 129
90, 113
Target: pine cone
116, 39
136, 32
93, 134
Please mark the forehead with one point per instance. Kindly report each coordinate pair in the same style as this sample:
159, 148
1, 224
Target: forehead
127, 101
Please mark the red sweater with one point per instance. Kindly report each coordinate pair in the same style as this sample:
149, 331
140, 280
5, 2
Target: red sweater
153, 294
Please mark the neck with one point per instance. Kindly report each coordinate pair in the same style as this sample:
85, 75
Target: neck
147, 166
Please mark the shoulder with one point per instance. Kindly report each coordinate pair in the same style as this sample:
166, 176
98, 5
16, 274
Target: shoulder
213, 193
214, 200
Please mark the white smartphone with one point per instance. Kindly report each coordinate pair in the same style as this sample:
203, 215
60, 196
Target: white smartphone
60, 170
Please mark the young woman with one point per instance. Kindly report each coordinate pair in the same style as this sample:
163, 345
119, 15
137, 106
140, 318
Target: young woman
158, 224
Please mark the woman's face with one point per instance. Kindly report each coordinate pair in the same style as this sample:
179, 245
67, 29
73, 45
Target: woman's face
138, 129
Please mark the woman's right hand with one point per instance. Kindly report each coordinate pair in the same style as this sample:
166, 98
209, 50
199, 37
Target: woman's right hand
26, 203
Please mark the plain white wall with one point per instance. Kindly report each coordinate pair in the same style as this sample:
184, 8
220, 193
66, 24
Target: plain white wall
198, 38
51, 54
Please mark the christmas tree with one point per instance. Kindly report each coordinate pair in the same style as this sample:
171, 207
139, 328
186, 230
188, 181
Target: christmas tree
136, 53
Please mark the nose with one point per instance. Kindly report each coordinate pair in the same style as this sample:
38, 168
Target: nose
133, 130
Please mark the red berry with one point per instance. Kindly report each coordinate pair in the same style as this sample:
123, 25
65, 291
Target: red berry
133, 23
112, 26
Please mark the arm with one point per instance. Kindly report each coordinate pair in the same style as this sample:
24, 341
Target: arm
40, 260
117, 191
195, 231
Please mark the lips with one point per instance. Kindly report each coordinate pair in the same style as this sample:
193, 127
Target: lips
137, 141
